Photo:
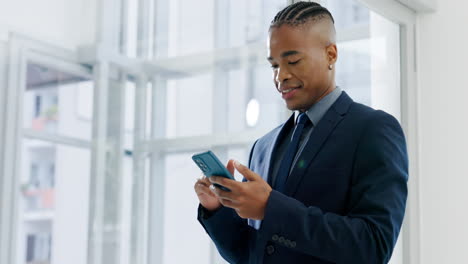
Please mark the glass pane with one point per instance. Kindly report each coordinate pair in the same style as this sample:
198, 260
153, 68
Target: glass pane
131, 28
54, 203
128, 104
253, 99
368, 66
241, 22
348, 14
190, 106
57, 102
182, 232
251, 96
249, 20
191, 27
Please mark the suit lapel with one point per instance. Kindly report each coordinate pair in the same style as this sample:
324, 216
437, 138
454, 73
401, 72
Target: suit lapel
271, 148
317, 138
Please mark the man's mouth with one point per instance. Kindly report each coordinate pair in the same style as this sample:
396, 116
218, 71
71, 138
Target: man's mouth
285, 91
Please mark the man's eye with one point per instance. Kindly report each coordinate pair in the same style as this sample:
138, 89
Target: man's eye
274, 66
293, 62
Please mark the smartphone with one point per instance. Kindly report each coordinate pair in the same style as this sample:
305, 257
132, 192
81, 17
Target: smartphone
210, 165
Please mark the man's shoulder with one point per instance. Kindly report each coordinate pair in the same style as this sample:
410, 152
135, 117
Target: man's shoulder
357, 113
373, 123
367, 115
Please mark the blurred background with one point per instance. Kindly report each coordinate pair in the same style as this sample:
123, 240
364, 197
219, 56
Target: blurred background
103, 102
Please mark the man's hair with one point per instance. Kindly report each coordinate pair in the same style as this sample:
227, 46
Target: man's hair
299, 13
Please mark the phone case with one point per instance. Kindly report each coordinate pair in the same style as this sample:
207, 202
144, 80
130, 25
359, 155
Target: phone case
210, 165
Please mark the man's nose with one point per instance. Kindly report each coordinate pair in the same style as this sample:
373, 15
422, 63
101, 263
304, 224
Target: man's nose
282, 75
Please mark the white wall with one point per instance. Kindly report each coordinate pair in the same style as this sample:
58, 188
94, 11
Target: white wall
385, 65
65, 23
443, 87
3, 73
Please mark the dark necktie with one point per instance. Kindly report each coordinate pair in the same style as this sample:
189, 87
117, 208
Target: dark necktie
288, 158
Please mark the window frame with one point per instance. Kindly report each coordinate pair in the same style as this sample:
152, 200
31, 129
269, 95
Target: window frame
21, 51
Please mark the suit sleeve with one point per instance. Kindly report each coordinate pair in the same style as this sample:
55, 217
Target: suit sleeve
368, 233
229, 232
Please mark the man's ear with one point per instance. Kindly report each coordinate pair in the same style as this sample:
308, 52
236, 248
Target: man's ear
332, 53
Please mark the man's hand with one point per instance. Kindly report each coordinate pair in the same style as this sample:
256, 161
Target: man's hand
249, 198
205, 194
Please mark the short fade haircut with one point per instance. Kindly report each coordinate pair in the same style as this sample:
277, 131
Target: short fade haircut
299, 13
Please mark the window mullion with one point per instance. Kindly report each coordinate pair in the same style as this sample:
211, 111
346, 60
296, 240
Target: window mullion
98, 164
9, 199
220, 90
139, 218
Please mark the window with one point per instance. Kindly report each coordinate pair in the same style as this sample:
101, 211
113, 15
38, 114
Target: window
54, 202
54, 166
38, 248
368, 66
50, 103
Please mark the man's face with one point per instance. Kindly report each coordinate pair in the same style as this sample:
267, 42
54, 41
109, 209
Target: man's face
300, 57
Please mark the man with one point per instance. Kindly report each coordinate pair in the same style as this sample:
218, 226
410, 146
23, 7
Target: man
338, 169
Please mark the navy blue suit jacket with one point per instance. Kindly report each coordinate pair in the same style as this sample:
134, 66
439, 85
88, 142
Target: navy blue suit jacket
344, 200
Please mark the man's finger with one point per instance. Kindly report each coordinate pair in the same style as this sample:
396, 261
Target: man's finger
228, 183
201, 188
203, 182
246, 172
222, 193
230, 167
205, 179
228, 203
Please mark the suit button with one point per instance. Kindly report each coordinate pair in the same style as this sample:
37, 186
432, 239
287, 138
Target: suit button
270, 249
275, 237
293, 244
281, 240
287, 243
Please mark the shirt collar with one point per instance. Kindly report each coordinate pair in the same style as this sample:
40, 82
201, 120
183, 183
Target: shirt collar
318, 110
